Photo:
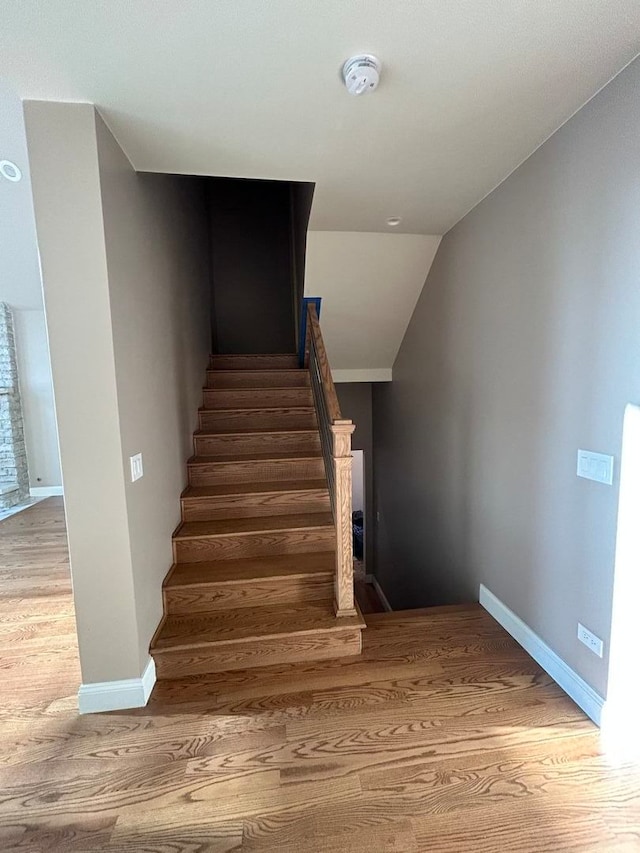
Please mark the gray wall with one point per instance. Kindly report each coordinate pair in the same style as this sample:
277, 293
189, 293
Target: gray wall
125, 269
523, 347
157, 249
355, 403
301, 195
251, 255
70, 229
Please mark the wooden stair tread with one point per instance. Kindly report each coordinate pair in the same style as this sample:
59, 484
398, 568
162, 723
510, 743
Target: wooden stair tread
214, 433
273, 456
259, 524
251, 568
265, 370
424, 614
253, 355
253, 579
234, 626
259, 411
247, 388
276, 487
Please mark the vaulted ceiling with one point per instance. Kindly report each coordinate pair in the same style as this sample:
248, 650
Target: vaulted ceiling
252, 88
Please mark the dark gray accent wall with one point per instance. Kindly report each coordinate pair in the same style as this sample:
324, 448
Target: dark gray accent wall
355, 403
251, 265
301, 201
524, 346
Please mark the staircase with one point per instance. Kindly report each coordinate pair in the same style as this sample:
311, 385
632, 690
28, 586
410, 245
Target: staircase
253, 580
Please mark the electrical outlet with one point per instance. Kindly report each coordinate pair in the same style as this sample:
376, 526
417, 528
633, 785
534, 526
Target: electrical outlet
136, 467
590, 640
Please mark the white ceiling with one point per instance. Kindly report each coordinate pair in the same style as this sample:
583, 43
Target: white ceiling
251, 88
369, 284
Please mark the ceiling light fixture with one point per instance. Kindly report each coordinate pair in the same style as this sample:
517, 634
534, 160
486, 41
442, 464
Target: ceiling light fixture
361, 74
10, 171
393, 221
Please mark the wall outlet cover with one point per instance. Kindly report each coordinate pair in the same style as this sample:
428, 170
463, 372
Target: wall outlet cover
136, 467
590, 640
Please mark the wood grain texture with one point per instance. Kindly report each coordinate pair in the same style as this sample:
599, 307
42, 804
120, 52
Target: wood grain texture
253, 568
226, 539
322, 360
233, 625
257, 497
240, 526
225, 595
229, 444
252, 500
271, 417
250, 398
257, 378
213, 657
254, 362
341, 451
393, 750
254, 468
335, 436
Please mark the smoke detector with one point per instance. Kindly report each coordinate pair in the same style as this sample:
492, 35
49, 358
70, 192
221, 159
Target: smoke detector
361, 74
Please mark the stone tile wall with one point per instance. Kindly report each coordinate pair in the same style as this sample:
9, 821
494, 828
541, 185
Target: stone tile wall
13, 455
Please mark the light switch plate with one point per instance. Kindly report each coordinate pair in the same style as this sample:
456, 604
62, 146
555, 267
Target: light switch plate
136, 467
595, 466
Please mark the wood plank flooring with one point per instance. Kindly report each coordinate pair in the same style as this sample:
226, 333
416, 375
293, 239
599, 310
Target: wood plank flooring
443, 736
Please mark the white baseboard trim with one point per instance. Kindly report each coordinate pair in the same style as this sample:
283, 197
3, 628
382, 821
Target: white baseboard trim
376, 374
583, 695
381, 595
45, 491
117, 695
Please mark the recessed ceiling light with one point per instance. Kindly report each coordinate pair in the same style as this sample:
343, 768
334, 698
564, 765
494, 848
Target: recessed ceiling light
393, 221
10, 171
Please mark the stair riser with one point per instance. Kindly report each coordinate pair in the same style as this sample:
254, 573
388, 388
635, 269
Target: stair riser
243, 398
219, 473
258, 379
235, 546
252, 593
263, 652
230, 445
251, 506
269, 419
254, 362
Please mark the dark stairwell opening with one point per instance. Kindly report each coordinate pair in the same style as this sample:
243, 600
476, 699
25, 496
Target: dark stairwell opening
258, 236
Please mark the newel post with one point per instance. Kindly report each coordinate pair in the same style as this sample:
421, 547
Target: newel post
341, 451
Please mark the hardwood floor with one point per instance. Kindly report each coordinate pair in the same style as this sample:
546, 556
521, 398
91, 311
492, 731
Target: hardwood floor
366, 595
442, 736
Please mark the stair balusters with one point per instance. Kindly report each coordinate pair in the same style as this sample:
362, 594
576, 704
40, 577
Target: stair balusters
335, 436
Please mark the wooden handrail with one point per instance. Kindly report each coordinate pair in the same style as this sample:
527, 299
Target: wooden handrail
335, 437
328, 388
